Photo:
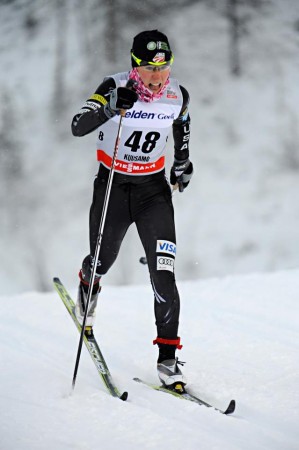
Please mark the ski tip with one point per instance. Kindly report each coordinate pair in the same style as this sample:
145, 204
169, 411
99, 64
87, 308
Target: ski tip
55, 279
231, 407
124, 396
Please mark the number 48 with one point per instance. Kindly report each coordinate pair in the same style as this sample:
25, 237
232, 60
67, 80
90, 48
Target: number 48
147, 146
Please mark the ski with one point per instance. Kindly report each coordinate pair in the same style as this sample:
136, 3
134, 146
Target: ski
186, 396
90, 342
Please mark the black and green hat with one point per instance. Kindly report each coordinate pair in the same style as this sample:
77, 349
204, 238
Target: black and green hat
151, 48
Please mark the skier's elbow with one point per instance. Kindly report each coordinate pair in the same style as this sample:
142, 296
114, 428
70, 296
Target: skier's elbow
76, 129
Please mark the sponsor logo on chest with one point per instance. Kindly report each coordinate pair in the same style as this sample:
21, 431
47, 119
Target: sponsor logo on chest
171, 94
139, 114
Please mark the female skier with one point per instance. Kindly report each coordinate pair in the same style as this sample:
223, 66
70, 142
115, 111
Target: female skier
140, 192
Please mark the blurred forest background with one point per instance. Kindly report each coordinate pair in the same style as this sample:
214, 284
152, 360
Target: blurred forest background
239, 61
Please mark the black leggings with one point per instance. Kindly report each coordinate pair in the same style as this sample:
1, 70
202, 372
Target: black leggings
145, 200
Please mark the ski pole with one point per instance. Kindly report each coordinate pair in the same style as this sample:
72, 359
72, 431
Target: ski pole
130, 84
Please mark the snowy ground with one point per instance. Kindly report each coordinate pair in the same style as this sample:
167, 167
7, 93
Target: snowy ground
240, 337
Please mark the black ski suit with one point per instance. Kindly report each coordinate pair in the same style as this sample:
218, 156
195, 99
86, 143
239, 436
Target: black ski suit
143, 199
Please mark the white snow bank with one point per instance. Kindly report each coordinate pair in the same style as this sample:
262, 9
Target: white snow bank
240, 337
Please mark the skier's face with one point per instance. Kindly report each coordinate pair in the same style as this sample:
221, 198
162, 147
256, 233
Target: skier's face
154, 79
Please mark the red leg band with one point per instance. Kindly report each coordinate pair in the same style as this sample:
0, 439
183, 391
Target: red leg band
97, 280
176, 342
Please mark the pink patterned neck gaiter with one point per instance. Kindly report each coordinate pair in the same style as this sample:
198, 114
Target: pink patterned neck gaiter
145, 94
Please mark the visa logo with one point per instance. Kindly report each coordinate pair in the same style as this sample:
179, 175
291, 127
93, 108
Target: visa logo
166, 247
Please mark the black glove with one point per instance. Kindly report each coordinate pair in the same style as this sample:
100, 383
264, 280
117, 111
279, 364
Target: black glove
122, 98
181, 173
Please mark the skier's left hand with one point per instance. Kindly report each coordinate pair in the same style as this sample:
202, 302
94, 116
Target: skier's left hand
181, 173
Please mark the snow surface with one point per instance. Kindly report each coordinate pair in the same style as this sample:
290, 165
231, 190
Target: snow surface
240, 336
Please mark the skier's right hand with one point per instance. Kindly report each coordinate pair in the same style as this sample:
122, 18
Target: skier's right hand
122, 98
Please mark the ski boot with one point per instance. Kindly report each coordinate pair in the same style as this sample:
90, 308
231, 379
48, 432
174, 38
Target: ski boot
80, 306
171, 376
